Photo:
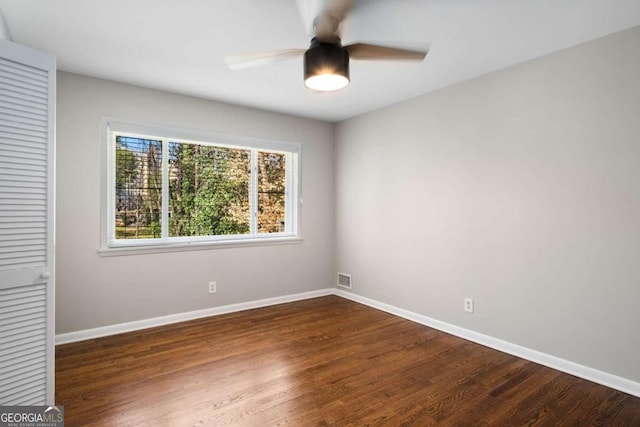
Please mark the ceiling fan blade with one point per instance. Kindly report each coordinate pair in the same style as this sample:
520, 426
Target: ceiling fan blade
309, 10
375, 52
339, 9
238, 62
327, 24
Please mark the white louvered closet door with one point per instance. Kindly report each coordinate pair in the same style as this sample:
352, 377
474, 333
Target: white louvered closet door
27, 106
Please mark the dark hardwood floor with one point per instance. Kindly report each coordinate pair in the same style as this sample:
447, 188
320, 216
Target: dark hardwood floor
324, 361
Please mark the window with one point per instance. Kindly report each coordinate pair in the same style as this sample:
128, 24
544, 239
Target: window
168, 187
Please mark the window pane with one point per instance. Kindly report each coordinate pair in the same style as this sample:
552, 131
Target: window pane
138, 191
208, 190
271, 192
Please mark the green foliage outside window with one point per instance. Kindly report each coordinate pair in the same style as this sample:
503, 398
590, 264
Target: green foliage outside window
209, 190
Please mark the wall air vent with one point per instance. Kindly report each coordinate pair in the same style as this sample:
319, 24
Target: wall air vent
344, 280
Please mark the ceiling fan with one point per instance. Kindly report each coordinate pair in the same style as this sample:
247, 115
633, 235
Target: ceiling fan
326, 61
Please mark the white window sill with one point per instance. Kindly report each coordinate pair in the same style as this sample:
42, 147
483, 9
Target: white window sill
194, 246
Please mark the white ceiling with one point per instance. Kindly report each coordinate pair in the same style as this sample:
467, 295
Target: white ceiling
179, 45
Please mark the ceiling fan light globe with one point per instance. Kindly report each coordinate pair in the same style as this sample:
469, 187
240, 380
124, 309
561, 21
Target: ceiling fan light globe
326, 82
326, 66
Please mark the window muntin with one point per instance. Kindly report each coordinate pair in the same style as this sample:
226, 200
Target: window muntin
170, 190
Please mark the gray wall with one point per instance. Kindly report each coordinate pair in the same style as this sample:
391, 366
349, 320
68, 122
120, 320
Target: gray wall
93, 291
520, 189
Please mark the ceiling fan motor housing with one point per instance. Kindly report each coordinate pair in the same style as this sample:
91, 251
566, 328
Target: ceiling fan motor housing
326, 58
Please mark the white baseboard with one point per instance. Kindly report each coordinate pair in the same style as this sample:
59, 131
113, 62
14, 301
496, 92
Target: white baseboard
137, 325
581, 371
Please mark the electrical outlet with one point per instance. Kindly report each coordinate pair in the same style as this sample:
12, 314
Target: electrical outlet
212, 287
468, 305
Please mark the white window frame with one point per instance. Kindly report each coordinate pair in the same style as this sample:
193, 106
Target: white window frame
110, 246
